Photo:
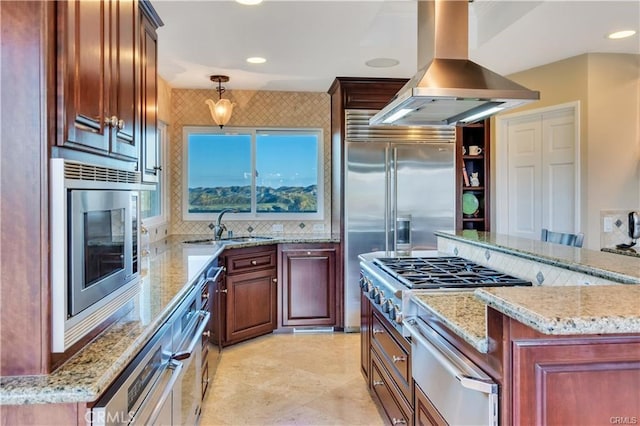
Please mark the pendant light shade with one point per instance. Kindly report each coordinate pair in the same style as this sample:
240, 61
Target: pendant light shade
221, 110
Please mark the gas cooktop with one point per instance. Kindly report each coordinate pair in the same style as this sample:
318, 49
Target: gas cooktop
444, 272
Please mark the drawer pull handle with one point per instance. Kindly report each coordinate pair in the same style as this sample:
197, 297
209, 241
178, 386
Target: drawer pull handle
399, 358
224, 290
398, 421
378, 383
377, 331
254, 262
206, 333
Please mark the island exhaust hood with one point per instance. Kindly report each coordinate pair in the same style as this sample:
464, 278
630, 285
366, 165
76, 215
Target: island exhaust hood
449, 89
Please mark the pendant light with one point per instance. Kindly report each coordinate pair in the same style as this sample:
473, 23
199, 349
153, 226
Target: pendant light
221, 110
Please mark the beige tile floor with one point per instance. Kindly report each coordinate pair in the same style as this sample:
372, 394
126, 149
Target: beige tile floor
291, 379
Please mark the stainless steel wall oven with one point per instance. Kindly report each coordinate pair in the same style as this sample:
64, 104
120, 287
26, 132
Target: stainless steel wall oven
94, 246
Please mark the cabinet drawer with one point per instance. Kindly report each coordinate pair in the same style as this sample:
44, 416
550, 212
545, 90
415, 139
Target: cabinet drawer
394, 405
395, 357
252, 261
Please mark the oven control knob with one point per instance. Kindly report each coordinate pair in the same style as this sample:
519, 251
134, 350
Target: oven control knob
380, 297
398, 314
373, 293
391, 310
387, 306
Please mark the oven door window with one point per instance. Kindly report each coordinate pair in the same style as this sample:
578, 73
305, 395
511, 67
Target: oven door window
104, 244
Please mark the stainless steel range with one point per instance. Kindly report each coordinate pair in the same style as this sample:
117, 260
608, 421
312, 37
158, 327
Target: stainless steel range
453, 386
386, 280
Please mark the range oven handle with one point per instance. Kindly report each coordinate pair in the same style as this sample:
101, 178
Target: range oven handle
197, 336
150, 409
430, 340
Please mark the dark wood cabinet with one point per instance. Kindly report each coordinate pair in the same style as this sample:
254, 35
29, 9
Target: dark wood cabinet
150, 155
425, 413
365, 336
386, 364
308, 276
98, 77
471, 164
249, 298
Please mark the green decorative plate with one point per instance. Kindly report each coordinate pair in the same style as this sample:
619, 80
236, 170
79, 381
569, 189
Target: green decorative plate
470, 204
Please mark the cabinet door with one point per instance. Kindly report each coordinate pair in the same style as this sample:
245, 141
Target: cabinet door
426, 414
309, 287
149, 138
123, 84
84, 74
250, 305
365, 337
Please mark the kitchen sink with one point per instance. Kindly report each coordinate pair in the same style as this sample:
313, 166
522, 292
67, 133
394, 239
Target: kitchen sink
230, 240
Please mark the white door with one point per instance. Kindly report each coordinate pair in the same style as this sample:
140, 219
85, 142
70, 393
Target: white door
537, 172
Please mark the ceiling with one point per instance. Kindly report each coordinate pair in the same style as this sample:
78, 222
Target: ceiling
309, 43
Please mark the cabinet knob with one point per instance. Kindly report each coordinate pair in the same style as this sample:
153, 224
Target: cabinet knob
111, 121
275, 280
206, 333
308, 253
120, 124
224, 290
254, 262
157, 168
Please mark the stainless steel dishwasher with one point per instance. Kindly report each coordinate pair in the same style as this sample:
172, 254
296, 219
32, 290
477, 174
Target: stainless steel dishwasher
162, 385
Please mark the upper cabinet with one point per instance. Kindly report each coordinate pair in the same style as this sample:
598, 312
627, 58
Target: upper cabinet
101, 72
149, 135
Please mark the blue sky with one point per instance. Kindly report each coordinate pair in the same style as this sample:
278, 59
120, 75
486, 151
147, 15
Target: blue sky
225, 160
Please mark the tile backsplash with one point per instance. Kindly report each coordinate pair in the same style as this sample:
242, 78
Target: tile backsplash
253, 109
614, 227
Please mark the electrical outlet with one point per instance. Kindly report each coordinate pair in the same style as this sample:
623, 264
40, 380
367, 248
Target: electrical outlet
607, 225
318, 227
277, 227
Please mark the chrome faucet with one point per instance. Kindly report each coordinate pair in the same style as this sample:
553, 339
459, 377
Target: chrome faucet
219, 228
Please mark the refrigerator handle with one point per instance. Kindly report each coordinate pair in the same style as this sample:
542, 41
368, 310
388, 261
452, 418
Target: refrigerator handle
393, 200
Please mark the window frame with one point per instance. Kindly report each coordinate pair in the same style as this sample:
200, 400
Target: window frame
163, 181
253, 215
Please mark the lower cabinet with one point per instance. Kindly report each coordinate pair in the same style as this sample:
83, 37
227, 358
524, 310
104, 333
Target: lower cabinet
249, 299
308, 277
386, 363
425, 413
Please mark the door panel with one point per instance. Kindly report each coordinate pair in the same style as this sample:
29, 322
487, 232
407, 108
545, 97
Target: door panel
524, 177
425, 189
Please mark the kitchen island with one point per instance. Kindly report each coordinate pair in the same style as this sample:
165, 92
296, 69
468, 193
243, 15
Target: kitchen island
561, 351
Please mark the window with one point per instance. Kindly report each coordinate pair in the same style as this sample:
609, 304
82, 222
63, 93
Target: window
153, 208
262, 173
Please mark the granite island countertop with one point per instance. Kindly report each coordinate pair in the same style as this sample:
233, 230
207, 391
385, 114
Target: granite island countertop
567, 310
591, 262
167, 275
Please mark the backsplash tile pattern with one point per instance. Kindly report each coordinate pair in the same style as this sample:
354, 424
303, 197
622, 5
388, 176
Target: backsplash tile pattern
619, 230
537, 273
252, 109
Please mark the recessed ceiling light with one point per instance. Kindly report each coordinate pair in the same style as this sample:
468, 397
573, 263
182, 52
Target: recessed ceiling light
621, 34
382, 62
256, 60
249, 2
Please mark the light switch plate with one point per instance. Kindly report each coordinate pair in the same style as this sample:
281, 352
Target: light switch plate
607, 225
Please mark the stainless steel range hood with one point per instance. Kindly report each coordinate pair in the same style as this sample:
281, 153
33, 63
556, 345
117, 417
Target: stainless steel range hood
449, 89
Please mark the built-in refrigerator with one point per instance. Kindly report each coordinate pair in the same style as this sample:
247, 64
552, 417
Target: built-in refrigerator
399, 187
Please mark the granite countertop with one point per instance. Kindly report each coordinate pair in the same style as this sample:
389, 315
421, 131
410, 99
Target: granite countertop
596, 263
461, 312
164, 281
572, 310
569, 310
633, 252
167, 275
